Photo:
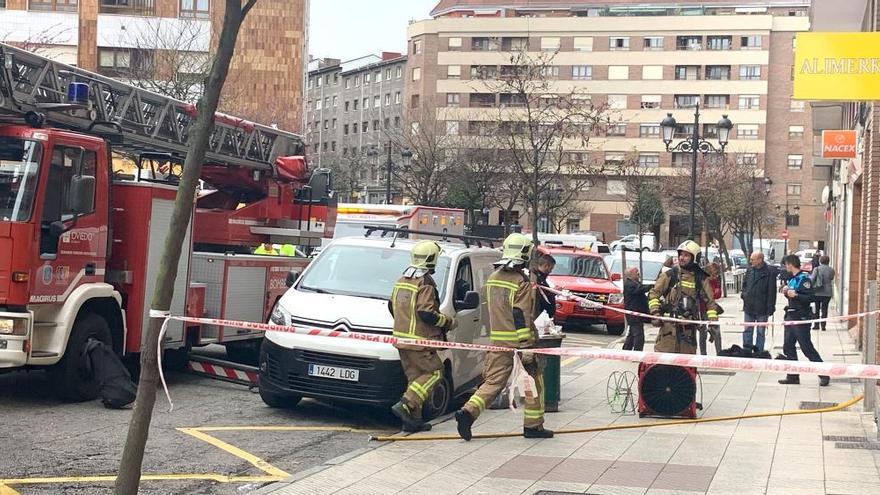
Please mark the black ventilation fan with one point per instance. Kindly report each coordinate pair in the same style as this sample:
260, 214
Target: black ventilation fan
668, 391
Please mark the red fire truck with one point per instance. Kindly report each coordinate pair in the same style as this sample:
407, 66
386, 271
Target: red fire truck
81, 236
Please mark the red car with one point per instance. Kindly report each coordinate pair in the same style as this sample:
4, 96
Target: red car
585, 274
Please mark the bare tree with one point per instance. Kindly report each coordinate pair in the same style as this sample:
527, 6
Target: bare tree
128, 480
41, 42
538, 124
349, 173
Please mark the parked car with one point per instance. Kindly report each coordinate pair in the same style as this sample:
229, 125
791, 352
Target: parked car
651, 266
633, 243
346, 288
584, 274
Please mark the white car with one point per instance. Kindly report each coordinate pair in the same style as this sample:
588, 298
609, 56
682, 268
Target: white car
633, 243
651, 265
347, 288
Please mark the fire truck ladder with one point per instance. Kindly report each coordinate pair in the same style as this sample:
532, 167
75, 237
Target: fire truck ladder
38, 88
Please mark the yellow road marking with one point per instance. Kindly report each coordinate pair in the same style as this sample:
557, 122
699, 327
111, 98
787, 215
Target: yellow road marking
283, 428
237, 452
570, 360
220, 478
5, 490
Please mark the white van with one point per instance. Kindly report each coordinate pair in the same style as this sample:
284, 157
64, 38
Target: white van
347, 288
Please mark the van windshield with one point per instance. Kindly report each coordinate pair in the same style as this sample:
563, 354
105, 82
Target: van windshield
19, 163
363, 271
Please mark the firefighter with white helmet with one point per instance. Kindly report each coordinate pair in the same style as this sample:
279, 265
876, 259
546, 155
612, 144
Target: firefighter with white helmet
510, 295
678, 293
415, 306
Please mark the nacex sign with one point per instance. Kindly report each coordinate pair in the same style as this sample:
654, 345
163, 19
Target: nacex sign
839, 144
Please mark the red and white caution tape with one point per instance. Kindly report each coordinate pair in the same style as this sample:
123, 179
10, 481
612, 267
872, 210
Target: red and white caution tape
225, 372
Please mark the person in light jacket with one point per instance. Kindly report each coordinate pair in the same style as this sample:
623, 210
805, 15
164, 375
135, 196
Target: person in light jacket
823, 290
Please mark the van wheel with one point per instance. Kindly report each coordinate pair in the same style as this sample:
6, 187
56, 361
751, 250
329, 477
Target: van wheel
438, 402
70, 377
279, 401
615, 329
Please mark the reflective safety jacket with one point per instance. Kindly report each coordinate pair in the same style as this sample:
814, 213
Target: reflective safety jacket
511, 300
798, 307
673, 291
415, 306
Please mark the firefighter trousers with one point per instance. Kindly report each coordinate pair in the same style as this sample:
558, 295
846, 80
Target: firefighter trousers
423, 370
496, 372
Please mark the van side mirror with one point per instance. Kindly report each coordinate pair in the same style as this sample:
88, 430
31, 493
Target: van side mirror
471, 301
82, 194
616, 277
291, 279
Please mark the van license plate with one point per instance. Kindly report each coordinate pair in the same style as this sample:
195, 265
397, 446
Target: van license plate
333, 372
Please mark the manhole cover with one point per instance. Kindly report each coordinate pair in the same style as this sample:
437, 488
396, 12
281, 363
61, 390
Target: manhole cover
817, 405
857, 445
843, 438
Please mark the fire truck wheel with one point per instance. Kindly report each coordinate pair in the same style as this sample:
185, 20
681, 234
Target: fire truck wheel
247, 352
69, 376
615, 329
438, 403
279, 401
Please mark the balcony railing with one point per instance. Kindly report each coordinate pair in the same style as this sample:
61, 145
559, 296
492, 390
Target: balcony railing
136, 7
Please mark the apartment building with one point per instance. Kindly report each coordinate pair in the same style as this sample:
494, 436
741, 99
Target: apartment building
170, 40
352, 108
643, 59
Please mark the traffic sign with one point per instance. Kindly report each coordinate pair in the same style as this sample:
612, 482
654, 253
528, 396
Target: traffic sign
785, 234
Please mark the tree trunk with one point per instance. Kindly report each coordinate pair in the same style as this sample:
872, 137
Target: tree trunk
128, 479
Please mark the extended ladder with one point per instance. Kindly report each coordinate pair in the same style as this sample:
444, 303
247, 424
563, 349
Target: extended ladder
149, 122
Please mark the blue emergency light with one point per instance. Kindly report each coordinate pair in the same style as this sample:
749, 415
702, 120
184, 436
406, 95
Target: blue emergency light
78, 93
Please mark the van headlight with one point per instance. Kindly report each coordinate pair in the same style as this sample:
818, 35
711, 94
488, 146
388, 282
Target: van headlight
280, 316
615, 298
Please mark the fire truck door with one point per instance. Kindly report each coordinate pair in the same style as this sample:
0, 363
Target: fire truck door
73, 229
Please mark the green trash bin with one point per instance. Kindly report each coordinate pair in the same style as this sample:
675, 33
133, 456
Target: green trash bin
552, 371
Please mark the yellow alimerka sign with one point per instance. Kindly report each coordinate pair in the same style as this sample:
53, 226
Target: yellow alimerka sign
837, 66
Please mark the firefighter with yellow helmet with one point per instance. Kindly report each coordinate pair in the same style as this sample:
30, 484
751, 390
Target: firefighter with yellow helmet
415, 306
510, 296
678, 293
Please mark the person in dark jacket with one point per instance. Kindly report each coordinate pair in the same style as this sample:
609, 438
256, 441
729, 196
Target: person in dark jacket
546, 301
635, 298
759, 299
823, 278
799, 292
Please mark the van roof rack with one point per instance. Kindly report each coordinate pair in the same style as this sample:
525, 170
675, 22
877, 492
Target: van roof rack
444, 236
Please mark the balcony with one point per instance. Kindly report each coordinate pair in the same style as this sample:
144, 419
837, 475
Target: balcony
689, 43
129, 7
482, 100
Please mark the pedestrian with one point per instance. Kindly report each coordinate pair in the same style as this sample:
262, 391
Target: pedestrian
266, 249
510, 296
799, 292
681, 289
712, 332
815, 260
823, 276
546, 301
635, 298
415, 306
759, 300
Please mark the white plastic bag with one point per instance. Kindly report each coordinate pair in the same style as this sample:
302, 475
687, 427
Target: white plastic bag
545, 324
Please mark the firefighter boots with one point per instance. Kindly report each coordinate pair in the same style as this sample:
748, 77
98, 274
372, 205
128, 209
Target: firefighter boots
411, 424
465, 421
539, 432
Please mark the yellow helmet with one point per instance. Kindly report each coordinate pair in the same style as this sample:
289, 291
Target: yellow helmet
517, 247
424, 255
689, 247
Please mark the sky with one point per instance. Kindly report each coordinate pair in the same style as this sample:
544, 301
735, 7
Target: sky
348, 29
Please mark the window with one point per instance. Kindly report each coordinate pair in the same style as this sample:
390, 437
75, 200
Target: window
793, 189
652, 72
617, 102
795, 162
327, 102
333, 146
718, 72
651, 160
345, 129
318, 81
749, 159
577, 158
357, 81
653, 43
795, 132
388, 74
318, 104
750, 72
195, 8
649, 130
573, 225
354, 128
482, 99
377, 101
550, 72
683, 131
618, 72
455, 43
511, 100
453, 99
797, 105
687, 72
347, 83
549, 44
397, 98
333, 124
335, 101
750, 42
397, 121
326, 124
375, 125
710, 131
518, 44
747, 131
453, 72
749, 102
484, 72
324, 146
387, 123
366, 79
615, 157
651, 101
615, 187
416, 73
125, 63
366, 103
365, 127
719, 43
618, 43
689, 43
414, 101
618, 129
67, 166
685, 101
399, 72
377, 76
451, 127
717, 101
417, 47
484, 44
682, 159
581, 72
355, 103
583, 43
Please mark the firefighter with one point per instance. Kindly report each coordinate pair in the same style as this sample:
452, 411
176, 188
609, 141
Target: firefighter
683, 288
510, 295
266, 249
415, 306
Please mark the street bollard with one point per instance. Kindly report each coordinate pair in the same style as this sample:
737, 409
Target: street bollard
552, 372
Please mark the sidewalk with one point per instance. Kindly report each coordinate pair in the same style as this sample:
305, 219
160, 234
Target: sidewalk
801, 455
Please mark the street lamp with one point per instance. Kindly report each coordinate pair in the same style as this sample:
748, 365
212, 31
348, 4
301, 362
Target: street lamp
796, 209
405, 155
695, 144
